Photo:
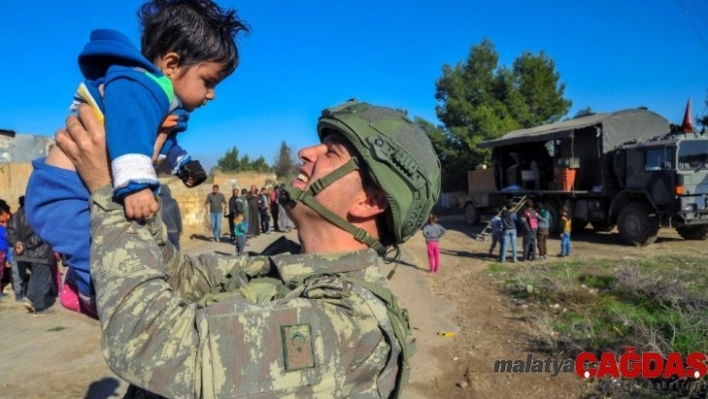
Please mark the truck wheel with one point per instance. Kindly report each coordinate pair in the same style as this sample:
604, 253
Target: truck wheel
602, 227
693, 232
635, 224
472, 214
554, 213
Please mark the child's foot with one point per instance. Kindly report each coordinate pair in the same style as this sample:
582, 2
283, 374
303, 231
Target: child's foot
69, 298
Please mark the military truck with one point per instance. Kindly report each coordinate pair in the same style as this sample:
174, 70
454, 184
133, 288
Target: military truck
607, 169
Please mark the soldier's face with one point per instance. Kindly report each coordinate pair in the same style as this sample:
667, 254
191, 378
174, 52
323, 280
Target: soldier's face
319, 161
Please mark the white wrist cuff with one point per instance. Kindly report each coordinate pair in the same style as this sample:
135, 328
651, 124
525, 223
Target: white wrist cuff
132, 168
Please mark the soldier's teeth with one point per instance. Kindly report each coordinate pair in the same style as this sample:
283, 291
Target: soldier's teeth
303, 178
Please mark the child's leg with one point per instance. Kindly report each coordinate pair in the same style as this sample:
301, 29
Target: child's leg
57, 158
240, 243
495, 241
436, 254
57, 209
565, 244
431, 257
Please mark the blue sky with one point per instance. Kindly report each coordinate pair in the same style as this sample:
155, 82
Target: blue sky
304, 55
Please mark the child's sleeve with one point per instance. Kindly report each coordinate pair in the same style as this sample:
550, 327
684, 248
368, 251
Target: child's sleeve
135, 106
177, 157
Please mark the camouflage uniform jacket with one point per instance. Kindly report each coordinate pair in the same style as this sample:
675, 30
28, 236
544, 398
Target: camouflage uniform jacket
326, 339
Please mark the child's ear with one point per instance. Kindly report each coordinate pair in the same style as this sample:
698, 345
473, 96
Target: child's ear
169, 64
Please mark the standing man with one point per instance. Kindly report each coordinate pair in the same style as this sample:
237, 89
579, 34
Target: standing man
264, 208
233, 202
171, 215
509, 223
530, 232
274, 207
254, 214
215, 204
38, 256
20, 277
242, 206
319, 322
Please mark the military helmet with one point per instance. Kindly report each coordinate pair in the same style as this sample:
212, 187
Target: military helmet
399, 158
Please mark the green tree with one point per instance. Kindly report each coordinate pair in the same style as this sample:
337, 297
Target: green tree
245, 162
260, 165
480, 100
229, 162
284, 163
587, 111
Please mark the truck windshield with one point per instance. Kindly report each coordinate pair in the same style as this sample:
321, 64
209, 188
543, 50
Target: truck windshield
693, 154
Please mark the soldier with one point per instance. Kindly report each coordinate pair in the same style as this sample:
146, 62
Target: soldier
319, 323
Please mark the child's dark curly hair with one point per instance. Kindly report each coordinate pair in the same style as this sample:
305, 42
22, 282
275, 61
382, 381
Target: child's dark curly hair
197, 30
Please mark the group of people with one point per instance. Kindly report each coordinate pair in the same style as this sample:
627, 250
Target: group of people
533, 225
26, 262
314, 321
249, 213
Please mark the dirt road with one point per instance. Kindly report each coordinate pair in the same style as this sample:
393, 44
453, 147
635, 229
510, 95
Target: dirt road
58, 356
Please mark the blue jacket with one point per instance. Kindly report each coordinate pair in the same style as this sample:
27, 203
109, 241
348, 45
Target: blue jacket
137, 97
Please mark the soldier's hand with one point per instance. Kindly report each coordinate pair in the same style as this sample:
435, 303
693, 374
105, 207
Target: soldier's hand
141, 205
84, 142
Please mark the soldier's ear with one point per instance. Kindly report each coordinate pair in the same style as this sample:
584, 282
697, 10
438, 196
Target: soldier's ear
371, 204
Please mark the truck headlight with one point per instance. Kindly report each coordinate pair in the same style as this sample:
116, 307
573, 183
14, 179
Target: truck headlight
690, 208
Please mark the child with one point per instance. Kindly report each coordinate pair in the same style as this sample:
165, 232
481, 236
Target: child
497, 236
543, 230
188, 47
5, 267
240, 230
432, 232
565, 233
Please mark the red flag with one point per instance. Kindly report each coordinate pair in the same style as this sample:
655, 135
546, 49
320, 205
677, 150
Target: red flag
687, 125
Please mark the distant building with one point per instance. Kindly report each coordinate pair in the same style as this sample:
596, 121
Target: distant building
17, 151
18, 147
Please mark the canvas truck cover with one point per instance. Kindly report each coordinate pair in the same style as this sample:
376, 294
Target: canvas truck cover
615, 128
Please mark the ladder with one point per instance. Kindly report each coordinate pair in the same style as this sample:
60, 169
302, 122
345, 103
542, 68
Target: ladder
518, 202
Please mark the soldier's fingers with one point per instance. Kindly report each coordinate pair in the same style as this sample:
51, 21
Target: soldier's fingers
93, 126
66, 143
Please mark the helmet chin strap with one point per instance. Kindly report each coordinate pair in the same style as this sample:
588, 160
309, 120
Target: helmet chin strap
307, 197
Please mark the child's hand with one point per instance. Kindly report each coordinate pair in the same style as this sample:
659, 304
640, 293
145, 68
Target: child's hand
141, 204
168, 124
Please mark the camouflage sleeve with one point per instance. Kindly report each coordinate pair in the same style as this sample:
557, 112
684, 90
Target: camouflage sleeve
325, 345
149, 334
192, 277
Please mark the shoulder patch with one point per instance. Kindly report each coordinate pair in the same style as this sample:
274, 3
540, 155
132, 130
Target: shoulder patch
298, 347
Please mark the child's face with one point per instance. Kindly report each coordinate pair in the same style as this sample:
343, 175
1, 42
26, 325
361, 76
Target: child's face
195, 84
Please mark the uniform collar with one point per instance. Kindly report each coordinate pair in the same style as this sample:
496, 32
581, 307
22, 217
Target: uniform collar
295, 266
